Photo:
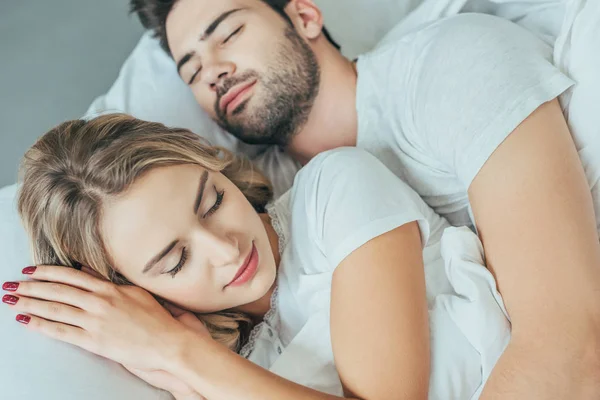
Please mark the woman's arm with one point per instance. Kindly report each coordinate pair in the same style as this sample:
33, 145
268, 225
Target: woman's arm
379, 331
218, 373
379, 318
534, 213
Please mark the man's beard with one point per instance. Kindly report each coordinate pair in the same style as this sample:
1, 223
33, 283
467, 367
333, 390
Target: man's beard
289, 91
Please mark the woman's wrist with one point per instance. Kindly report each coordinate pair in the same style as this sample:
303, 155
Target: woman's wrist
173, 355
185, 347
193, 359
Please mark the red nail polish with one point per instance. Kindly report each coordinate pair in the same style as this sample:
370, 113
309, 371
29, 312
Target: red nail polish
8, 299
29, 270
24, 319
10, 286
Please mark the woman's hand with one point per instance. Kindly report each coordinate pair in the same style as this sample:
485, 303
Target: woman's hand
164, 380
123, 323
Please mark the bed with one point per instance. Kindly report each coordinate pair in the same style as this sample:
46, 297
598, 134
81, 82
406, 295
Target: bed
39, 368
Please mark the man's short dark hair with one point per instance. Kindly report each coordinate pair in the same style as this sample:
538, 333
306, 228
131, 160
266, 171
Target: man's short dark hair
153, 16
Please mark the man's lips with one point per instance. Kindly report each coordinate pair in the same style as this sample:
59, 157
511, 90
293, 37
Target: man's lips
233, 93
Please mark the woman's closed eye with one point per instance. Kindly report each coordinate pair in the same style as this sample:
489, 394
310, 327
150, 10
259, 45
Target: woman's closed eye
184, 251
217, 204
180, 264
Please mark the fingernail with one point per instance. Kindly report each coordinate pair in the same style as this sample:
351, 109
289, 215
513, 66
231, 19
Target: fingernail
8, 299
29, 270
24, 319
10, 286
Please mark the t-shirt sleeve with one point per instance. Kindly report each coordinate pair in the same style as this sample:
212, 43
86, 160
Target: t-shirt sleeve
475, 81
350, 197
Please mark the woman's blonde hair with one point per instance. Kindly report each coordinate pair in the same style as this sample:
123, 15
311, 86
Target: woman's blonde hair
71, 171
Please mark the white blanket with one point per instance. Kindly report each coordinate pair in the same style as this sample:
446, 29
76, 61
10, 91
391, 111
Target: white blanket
475, 308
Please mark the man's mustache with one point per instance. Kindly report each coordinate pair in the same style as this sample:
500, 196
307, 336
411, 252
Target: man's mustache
228, 83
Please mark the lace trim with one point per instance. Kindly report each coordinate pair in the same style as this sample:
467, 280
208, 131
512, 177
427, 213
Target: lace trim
277, 227
254, 334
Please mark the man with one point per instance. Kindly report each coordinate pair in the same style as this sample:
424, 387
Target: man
465, 111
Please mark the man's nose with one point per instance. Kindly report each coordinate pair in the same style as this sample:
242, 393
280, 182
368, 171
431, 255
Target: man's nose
217, 72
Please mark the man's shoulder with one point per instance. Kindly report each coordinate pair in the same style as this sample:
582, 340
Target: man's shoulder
456, 28
453, 44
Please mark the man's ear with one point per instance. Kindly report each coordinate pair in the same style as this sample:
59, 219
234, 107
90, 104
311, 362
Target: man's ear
306, 17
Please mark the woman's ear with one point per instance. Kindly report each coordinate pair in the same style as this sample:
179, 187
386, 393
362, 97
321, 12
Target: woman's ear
307, 18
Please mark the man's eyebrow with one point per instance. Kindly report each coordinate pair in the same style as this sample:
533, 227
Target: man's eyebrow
209, 31
215, 24
159, 256
203, 180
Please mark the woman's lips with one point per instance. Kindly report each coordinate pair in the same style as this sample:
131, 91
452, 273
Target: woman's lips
247, 270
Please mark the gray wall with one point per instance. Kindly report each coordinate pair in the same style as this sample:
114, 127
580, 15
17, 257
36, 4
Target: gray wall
56, 56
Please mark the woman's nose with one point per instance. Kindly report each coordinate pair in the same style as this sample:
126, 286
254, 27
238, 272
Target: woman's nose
222, 249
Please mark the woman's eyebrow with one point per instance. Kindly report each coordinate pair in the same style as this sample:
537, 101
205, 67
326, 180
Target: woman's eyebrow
203, 180
160, 256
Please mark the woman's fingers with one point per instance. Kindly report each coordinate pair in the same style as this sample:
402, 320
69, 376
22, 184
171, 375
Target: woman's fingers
69, 276
52, 291
191, 321
187, 318
173, 309
93, 273
56, 330
49, 310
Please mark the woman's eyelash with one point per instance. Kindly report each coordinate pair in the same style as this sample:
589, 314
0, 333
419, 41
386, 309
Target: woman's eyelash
184, 252
179, 266
233, 34
217, 204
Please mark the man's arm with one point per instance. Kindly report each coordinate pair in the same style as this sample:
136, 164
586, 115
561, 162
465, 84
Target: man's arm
534, 213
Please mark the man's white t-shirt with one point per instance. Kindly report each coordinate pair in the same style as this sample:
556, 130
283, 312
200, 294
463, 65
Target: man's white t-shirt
434, 104
340, 200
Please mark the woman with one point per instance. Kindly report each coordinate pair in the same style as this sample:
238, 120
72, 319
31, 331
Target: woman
346, 264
